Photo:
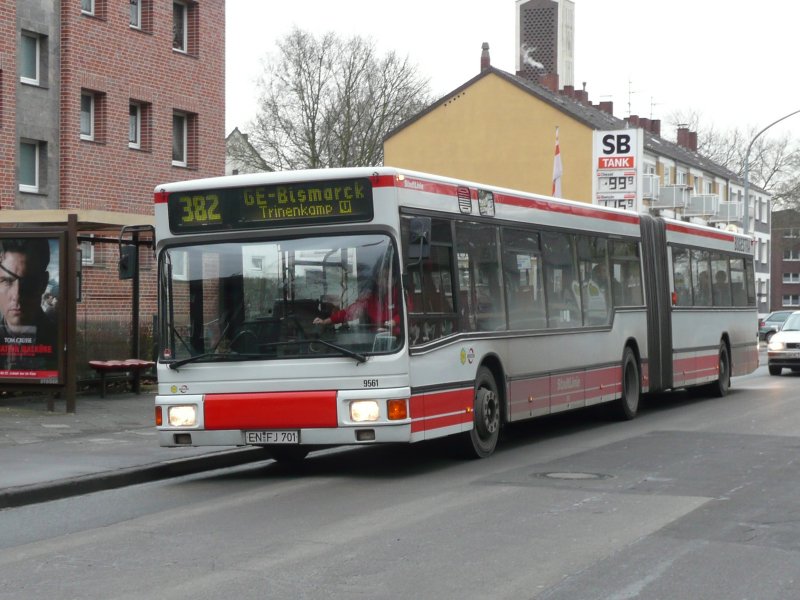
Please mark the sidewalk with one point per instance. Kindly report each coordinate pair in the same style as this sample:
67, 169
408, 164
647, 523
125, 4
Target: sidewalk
106, 443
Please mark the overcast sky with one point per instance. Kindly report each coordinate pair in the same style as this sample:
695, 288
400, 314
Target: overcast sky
733, 61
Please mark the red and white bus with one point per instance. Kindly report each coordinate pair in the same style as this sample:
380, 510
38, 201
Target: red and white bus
309, 309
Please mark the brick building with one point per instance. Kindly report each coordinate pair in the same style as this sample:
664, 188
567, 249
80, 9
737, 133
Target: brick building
785, 293
101, 100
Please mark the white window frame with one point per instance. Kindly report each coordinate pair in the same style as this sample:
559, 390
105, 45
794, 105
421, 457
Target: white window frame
87, 253
791, 278
791, 232
184, 8
24, 187
90, 135
791, 254
135, 125
791, 300
37, 59
91, 9
185, 142
136, 14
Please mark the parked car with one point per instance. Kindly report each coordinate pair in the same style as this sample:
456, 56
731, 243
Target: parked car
783, 350
771, 323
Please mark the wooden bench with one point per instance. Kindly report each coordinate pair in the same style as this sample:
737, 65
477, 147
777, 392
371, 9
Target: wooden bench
134, 366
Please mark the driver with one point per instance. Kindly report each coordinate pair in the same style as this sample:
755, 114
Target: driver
374, 304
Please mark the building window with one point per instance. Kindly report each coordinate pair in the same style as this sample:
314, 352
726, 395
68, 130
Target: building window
87, 6
30, 56
87, 116
791, 232
87, 252
179, 139
136, 14
791, 299
791, 254
791, 278
180, 26
92, 116
135, 126
29, 166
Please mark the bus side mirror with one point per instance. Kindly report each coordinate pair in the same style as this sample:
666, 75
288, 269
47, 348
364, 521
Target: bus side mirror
128, 260
419, 240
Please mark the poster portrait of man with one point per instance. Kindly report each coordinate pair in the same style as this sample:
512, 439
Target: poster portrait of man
28, 317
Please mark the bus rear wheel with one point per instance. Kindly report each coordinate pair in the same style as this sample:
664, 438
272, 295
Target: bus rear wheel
627, 405
720, 387
481, 440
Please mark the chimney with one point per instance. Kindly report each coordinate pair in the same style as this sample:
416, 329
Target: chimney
582, 96
655, 127
607, 106
692, 141
569, 91
485, 60
644, 123
683, 137
550, 81
633, 120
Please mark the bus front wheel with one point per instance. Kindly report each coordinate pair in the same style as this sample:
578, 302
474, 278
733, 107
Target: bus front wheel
481, 440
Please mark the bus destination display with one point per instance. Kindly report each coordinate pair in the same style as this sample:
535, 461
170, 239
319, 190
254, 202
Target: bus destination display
267, 206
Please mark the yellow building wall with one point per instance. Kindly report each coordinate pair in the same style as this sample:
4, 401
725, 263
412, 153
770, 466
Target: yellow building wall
493, 132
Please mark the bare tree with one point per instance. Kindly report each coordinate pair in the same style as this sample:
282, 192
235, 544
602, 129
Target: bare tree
773, 164
329, 102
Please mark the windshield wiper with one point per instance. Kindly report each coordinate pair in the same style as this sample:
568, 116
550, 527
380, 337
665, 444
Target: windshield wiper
256, 355
196, 357
347, 352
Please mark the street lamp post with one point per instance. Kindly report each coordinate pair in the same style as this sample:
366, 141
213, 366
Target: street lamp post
745, 214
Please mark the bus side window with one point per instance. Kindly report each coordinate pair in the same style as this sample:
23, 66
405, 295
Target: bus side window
701, 278
626, 273
561, 277
681, 276
430, 286
479, 274
737, 282
522, 275
722, 284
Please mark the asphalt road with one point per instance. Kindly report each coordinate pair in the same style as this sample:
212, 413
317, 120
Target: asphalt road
695, 499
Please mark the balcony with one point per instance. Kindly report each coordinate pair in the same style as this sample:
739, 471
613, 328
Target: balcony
650, 187
702, 205
671, 196
727, 212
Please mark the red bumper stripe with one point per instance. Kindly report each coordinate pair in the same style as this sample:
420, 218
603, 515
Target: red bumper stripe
274, 410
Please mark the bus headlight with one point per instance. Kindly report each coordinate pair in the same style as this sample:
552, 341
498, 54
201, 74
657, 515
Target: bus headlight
182, 416
364, 410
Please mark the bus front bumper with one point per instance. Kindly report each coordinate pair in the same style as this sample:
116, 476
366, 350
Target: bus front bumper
360, 434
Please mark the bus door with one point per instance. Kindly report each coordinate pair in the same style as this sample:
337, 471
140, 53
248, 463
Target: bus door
657, 297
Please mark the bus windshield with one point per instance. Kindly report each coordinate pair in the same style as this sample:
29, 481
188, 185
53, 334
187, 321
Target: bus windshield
305, 297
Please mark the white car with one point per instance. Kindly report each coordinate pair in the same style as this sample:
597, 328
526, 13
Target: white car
783, 350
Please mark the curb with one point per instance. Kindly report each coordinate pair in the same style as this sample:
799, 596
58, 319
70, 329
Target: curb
108, 480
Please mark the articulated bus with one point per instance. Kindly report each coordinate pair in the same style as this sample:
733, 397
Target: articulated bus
310, 309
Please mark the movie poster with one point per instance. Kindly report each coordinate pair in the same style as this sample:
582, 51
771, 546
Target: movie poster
30, 308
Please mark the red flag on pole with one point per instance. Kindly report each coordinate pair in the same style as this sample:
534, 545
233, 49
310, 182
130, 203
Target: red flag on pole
558, 170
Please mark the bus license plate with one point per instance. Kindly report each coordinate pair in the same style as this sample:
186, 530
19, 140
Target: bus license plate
272, 437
